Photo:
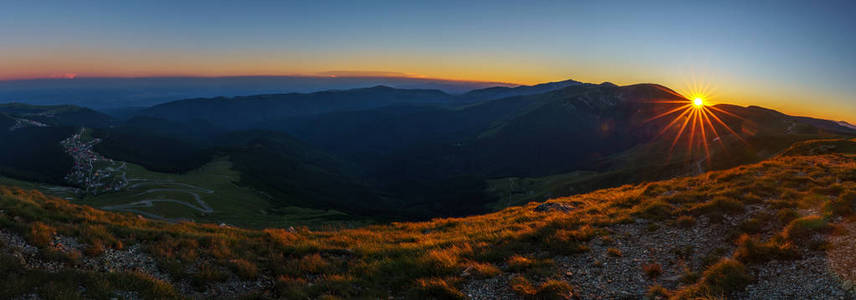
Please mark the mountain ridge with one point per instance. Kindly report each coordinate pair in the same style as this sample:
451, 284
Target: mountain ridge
421, 158
244, 111
109, 93
492, 93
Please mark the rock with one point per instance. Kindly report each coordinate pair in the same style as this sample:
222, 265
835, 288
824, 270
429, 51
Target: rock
553, 206
466, 272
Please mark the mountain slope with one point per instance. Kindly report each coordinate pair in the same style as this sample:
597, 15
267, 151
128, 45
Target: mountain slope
58, 115
759, 134
30, 138
535, 135
442, 158
34, 153
828, 125
527, 135
500, 92
571, 128
723, 233
847, 125
6, 121
296, 174
245, 112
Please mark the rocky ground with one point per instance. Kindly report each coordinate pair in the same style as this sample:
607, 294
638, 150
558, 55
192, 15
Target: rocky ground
131, 258
599, 274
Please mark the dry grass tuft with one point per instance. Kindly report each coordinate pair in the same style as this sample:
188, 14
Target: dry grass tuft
724, 277
655, 210
720, 205
519, 263
803, 228
550, 289
483, 270
41, 235
652, 270
554, 290
843, 205
750, 250
657, 292
435, 288
244, 268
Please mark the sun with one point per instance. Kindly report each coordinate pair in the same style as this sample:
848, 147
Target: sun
696, 121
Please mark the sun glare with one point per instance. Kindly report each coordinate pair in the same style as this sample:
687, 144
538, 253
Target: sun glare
694, 121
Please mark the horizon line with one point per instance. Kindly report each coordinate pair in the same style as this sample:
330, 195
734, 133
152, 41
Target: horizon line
389, 75
72, 77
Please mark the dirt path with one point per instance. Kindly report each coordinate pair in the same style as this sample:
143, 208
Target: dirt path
192, 190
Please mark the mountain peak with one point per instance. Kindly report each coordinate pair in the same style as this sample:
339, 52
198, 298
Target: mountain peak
381, 87
499, 92
846, 125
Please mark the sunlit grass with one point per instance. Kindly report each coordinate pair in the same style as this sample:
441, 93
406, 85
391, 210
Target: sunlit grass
408, 258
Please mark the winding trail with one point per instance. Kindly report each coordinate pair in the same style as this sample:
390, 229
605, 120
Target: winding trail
192, 190
148, 182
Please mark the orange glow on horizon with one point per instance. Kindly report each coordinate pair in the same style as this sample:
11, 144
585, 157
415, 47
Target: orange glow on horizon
505, 74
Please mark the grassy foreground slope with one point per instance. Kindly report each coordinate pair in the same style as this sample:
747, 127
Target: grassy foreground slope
714, 235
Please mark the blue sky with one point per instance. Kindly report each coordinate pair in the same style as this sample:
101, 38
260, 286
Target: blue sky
796, 56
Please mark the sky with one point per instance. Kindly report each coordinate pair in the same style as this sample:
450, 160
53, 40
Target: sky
798, 57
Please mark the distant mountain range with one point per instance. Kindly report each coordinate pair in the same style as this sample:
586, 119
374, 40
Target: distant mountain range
416, 153
249, 111
115, 93
244, 112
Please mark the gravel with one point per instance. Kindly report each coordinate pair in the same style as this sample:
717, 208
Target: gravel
597, 275
491, 288
129, 259
809, 278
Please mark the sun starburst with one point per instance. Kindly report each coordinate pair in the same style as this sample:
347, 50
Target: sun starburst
696, 121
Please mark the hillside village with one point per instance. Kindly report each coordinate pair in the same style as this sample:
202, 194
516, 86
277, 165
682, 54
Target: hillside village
92, 172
